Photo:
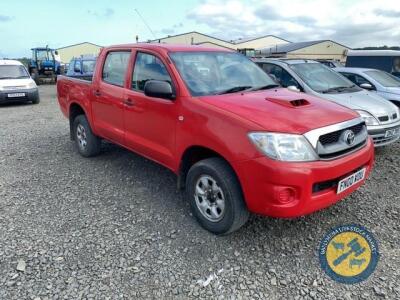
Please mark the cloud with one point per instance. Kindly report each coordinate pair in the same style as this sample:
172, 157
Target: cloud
351, 23
172, 30
106, 13
387, 13
4, 18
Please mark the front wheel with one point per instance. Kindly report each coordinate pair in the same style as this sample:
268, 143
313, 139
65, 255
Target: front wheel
215, 196
86, 142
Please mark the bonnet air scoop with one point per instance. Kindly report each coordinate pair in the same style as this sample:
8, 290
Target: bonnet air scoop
289, 102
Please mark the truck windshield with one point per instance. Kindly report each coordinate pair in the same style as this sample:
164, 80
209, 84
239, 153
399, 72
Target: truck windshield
13, 72
384, 78
321, 78
213, 73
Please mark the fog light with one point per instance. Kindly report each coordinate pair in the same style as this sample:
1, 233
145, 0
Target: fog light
285, 195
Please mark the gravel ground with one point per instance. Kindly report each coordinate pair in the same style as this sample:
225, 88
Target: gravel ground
115, 227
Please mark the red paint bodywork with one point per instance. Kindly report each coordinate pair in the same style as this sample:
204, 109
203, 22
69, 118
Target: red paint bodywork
220, 123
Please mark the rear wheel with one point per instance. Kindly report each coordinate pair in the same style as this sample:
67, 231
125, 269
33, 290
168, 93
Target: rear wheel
86, 142
215, 196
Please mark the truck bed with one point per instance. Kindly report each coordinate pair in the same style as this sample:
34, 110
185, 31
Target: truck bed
72, 89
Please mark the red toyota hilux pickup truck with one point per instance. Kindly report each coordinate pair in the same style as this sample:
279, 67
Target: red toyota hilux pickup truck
237, 142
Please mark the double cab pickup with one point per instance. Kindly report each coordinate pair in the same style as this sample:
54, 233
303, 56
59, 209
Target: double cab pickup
238, 142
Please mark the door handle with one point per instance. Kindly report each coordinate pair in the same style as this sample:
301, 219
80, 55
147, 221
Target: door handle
97, 93
129, 102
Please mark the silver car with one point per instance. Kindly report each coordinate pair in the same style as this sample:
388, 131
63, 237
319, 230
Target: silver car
384, 84
381, 116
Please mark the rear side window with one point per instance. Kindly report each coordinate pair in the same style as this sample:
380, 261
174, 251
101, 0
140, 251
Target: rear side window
88, 66
148, 67
115, 67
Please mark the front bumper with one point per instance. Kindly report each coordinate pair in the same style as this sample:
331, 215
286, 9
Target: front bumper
30, 95
263, 179
378, 133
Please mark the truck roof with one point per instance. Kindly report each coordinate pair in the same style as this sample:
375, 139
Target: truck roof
171, 47
10, 62
373, 53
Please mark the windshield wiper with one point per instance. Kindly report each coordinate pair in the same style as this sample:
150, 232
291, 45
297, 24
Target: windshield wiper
235, 89
265, 87
338, 88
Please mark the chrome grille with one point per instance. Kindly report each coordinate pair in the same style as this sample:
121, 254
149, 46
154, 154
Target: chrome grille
334, 137
331, 141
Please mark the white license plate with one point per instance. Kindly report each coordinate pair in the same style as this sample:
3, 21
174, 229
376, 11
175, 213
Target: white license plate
351, 180
392, 132
14, 95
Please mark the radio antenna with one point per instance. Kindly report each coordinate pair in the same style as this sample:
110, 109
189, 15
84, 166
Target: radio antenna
145, 23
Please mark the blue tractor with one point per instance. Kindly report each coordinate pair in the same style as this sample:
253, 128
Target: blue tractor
44, 65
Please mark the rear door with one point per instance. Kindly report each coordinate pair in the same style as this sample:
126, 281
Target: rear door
108, 96
150, 122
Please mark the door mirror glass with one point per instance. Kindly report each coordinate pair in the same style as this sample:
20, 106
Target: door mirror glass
158, 89
366, 86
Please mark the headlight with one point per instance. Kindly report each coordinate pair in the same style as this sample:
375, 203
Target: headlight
368, 118
284, 147
31, 85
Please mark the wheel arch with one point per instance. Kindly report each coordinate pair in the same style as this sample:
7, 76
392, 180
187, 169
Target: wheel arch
74, 110
192, 155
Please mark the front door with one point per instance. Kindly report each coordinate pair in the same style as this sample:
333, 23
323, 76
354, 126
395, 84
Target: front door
150, 122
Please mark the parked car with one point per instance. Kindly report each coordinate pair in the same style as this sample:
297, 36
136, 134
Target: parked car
385, 60
381, 116
81, 67
330, 63
16, 85
381, 82
237, 141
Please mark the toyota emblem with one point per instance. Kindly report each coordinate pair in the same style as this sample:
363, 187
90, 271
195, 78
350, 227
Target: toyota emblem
349, 137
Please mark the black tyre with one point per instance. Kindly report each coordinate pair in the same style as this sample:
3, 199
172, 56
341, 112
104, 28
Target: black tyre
36, 100
35, 76
215, 196
86, 142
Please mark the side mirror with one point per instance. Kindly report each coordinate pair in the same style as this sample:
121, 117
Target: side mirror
293, 88
366, 86
159, 89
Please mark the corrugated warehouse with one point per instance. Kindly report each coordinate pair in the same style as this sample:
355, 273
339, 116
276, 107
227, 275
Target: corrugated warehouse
323, 49
196, 38
68, 52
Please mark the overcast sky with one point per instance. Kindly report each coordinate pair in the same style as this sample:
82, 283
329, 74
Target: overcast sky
25, 24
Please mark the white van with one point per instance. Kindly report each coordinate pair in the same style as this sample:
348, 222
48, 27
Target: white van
16, 85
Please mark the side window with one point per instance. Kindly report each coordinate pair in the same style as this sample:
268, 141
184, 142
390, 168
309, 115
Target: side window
361, 80
281, 75
356, 79
148, 67
115, 67
88, 66
77, 66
